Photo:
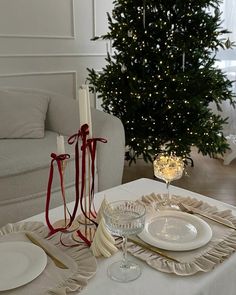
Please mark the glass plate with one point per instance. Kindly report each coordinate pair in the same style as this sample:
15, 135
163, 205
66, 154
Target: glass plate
20, 263
175, 231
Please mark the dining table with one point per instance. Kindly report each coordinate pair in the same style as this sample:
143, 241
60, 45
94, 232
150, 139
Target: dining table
220, 280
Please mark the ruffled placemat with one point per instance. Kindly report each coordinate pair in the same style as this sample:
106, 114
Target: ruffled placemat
204, 259
80, 261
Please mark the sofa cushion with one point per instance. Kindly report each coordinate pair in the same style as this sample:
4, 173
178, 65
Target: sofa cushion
22, 115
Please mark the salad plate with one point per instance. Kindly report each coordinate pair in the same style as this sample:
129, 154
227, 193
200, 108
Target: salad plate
20, 263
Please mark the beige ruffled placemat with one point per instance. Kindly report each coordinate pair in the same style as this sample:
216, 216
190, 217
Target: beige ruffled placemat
204, 259
80, 261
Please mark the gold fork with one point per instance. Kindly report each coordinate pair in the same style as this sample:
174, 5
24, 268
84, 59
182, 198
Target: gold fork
191, 210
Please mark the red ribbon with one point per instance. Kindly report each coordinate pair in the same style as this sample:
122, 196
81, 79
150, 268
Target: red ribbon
92, 144
58, 159
75, 139
84, 133
83, 238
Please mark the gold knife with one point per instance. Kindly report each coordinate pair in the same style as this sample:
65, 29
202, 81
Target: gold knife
151, 248
35, 241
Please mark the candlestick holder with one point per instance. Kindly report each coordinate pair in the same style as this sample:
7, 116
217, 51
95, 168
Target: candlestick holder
87, 219
84, 225
65, 222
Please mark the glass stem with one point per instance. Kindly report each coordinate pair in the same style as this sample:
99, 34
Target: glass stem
168, 190
124, 249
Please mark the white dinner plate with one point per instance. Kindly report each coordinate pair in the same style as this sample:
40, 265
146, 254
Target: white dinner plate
20, 263
175, 231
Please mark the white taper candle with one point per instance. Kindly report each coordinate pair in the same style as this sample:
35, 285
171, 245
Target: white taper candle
60, 145
84, 107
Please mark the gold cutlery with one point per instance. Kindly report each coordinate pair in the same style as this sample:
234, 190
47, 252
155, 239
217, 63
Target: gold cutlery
191, 210
35, 241
151, 248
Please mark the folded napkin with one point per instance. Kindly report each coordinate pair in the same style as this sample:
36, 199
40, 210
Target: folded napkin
53, 280
204, 259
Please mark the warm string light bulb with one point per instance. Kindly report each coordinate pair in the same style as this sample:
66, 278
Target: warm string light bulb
168, 167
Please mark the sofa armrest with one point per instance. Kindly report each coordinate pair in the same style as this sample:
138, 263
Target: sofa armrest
110, 156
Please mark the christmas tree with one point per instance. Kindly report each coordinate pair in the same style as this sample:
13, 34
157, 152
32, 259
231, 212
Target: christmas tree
162, 76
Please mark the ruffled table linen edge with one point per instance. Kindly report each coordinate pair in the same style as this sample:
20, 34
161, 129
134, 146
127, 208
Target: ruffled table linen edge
80, 257
204, 259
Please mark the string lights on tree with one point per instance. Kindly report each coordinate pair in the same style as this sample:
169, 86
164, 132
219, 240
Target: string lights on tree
162, 77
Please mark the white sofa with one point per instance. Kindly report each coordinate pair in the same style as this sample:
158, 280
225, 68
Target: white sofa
24, 162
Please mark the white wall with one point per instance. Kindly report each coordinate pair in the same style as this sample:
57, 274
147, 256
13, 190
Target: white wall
46, 43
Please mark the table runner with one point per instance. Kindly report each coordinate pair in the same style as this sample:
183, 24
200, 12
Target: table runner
53, 280
204, 259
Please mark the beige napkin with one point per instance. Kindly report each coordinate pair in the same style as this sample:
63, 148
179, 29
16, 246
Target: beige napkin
53, 280
204, 259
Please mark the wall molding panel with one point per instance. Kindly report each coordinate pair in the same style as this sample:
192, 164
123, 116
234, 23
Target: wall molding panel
53, 55
100, 23
50, 84
25, 21
46, 44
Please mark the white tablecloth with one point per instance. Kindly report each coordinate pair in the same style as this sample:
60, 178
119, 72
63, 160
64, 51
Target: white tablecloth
220, 281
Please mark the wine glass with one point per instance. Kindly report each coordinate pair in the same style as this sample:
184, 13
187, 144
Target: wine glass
124, 218
168, 167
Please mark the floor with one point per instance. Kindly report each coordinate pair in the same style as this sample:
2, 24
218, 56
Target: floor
208, 176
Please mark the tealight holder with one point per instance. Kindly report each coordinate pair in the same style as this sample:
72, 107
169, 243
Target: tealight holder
168, 167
